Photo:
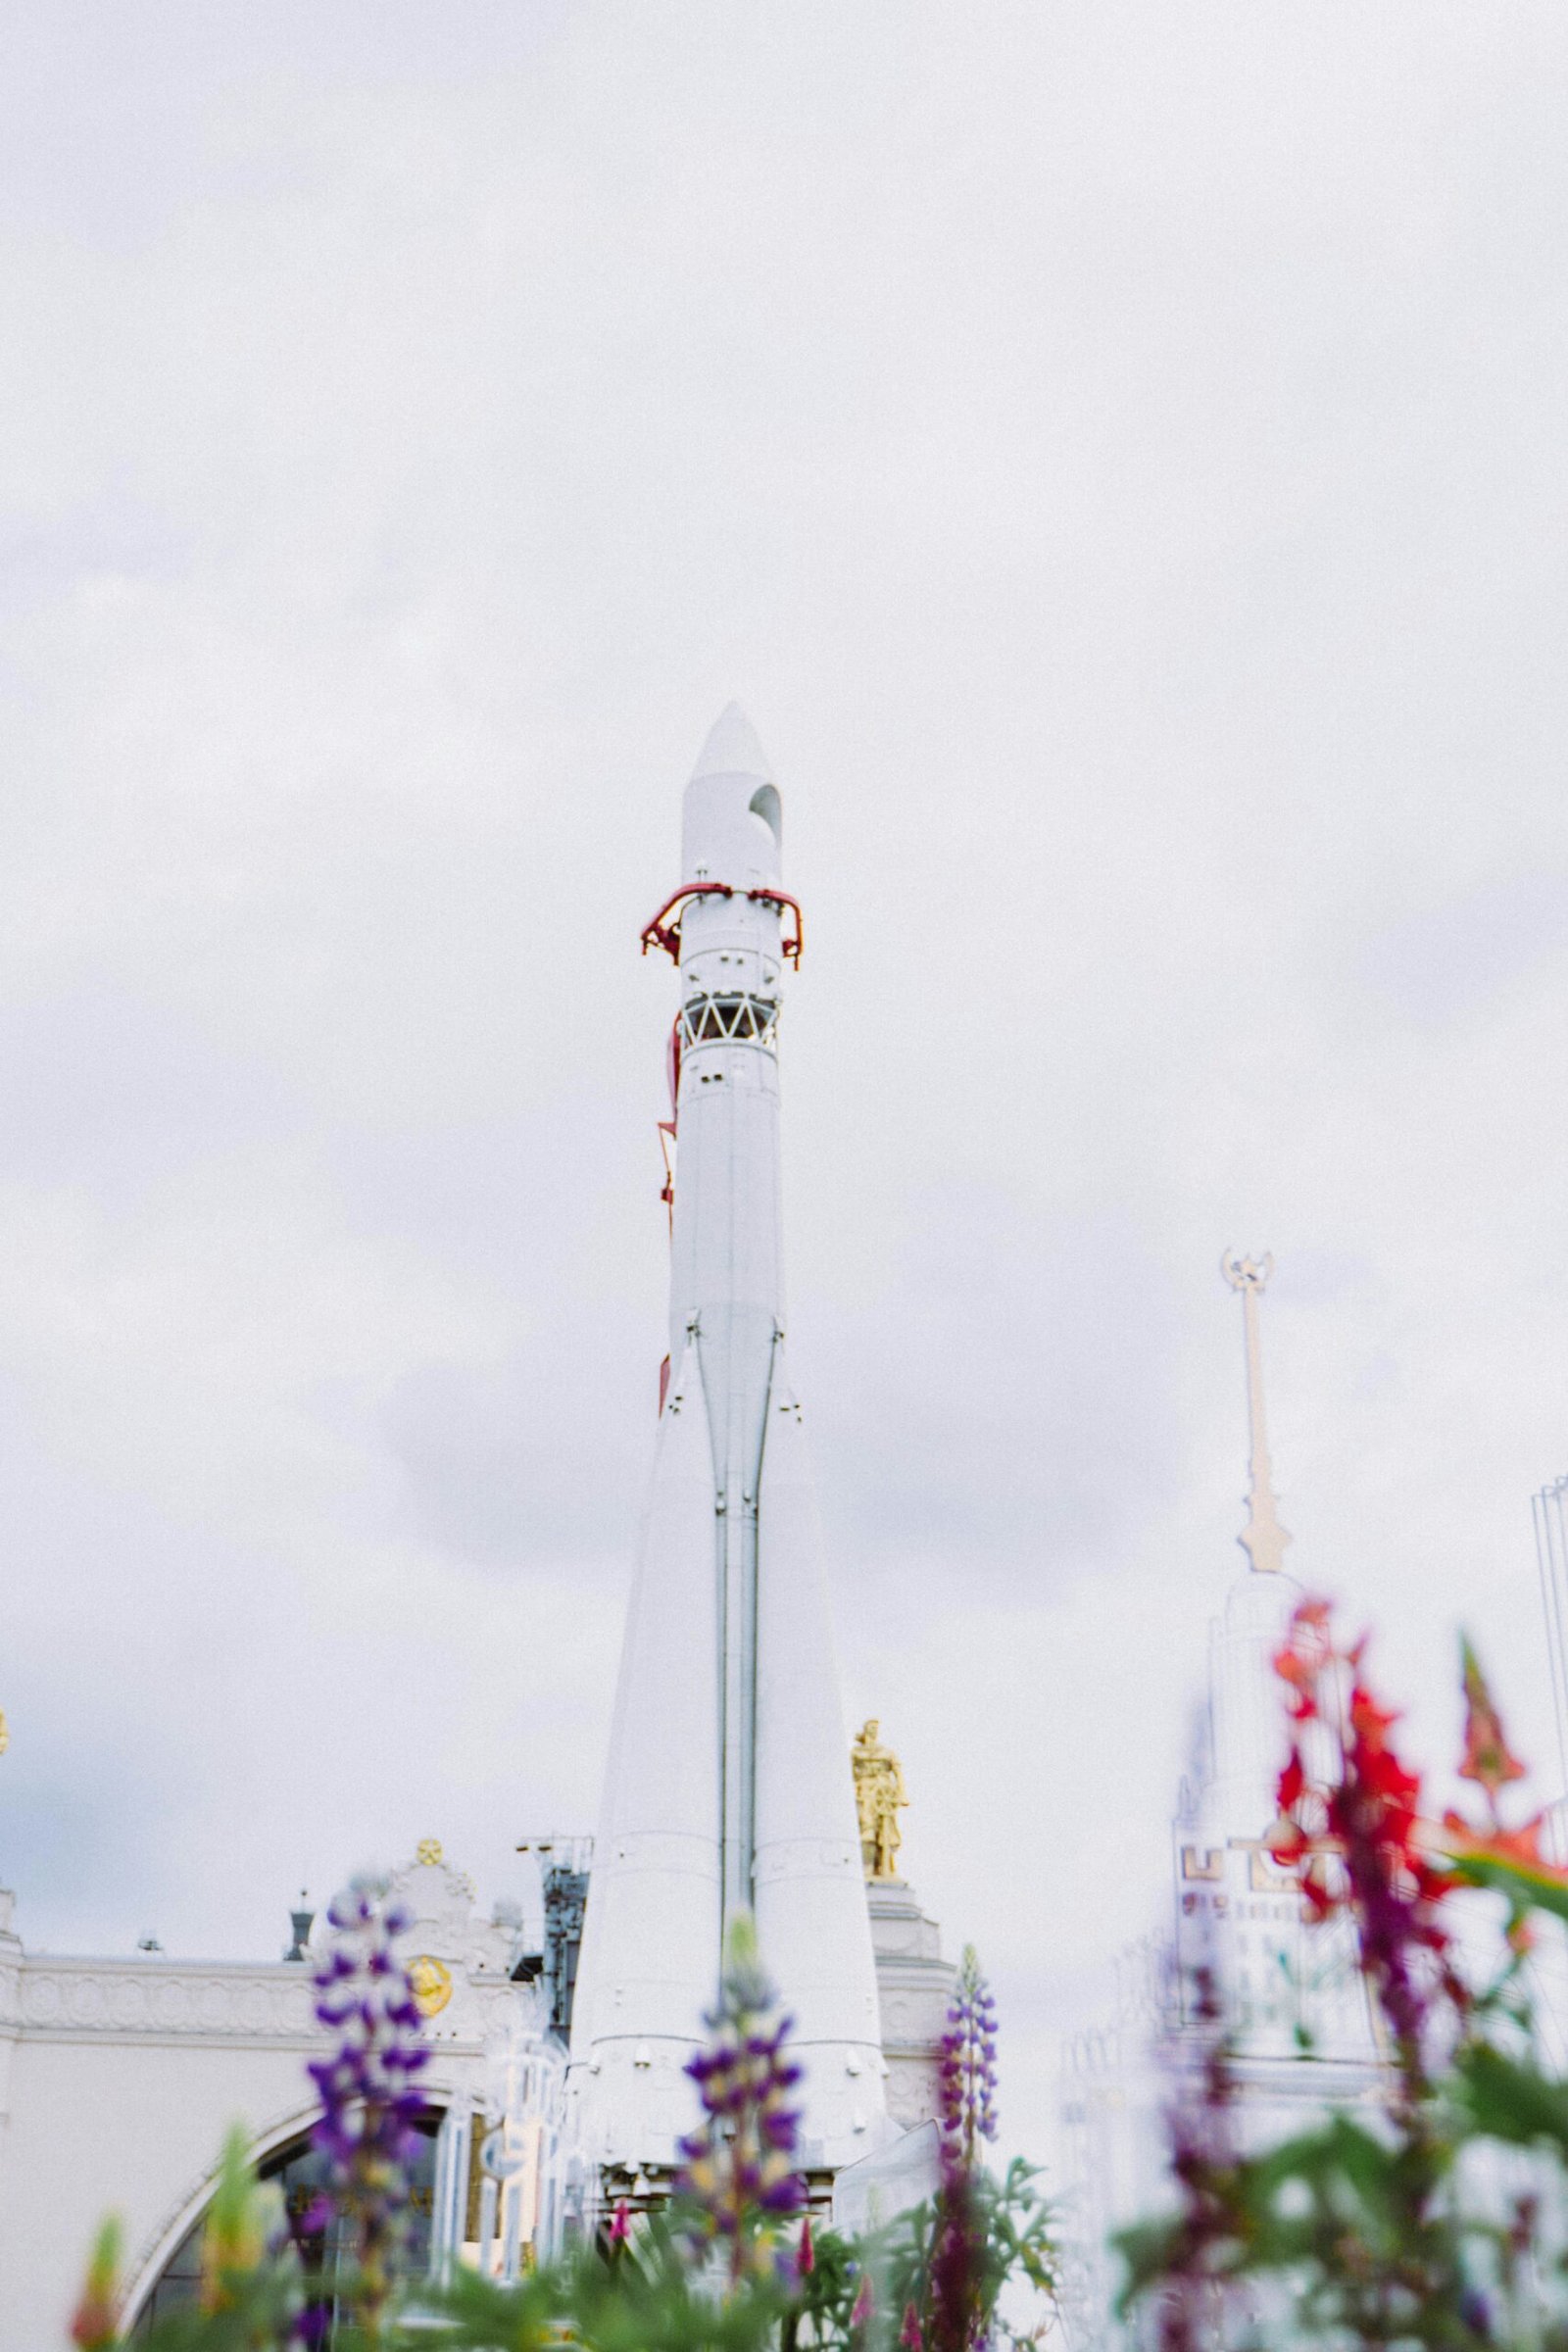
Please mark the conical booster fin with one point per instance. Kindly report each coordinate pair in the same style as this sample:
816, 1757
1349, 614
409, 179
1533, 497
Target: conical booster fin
651, 1933
812, 1921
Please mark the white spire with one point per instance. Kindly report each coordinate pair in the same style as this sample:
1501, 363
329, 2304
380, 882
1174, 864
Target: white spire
1262, 1538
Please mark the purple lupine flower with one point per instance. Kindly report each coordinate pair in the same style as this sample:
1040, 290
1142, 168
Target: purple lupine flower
967, 2074
369, 2099
739, 2177
966, 2091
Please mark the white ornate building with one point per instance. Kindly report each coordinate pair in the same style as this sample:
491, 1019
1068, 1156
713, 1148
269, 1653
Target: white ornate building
120, 2076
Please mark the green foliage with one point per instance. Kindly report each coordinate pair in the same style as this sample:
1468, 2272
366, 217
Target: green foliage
893, 2271
1012, 2242
646, 2297
650, 2299
650, 2294
1511, 2099
826, 2298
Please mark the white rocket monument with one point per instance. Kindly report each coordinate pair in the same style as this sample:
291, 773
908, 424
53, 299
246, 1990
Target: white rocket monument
729, 1784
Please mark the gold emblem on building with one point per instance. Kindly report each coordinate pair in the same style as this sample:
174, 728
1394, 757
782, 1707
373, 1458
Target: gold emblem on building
429, 1852
431, 1981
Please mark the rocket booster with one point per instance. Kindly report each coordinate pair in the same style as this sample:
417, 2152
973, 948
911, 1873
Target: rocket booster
729, 1784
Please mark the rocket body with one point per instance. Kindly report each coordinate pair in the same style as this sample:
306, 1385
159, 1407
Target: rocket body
729, 1784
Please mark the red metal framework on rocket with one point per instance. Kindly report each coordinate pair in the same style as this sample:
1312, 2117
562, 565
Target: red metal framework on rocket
662, 933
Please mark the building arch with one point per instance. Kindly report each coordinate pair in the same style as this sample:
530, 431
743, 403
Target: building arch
283, 2153
290, 2123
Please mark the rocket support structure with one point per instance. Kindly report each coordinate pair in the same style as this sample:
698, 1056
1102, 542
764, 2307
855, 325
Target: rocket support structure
729, 1784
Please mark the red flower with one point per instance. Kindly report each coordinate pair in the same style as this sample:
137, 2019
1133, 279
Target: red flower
1357, 1844
1521, 1845
1487, 1759
1301, 1661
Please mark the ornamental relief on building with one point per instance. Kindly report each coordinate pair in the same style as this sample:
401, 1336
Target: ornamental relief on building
136, 2000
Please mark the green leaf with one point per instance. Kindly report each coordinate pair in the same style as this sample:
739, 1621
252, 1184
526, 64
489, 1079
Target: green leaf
1511, 2099
1527, 1889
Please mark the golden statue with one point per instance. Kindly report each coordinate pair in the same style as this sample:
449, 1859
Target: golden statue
878, 1793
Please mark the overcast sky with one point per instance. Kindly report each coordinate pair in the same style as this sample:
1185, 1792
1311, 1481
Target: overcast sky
1116, 455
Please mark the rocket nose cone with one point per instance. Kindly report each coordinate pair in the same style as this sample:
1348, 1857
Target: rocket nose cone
732, 748
731, 825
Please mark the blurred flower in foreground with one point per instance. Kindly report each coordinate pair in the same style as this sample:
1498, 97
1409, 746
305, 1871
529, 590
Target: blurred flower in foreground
864, 2306
967, 2077
1487, 1759
1357, 1842
1195, 2307
234, 2238
367, 2085
967, 2093
1493, 1854
1412, 2225
740, 2177
93, 2326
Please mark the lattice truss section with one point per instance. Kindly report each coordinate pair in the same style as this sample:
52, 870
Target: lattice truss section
707, 1020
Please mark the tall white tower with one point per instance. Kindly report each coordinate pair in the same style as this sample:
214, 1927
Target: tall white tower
1300, 2025
1282, 1980
729, 1783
